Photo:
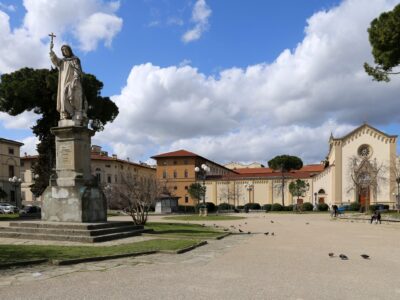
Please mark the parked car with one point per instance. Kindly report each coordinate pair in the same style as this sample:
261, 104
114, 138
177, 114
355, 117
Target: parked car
30, 210
7, 208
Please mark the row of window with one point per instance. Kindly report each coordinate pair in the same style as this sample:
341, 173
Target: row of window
175, 174
175, 162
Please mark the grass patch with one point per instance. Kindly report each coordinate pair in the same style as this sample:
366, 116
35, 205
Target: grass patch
177, 230
208, 218
15, 253
8, 216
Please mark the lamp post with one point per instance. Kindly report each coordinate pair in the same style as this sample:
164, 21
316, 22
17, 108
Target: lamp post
398, 194
202, 171
249, 187
315, 200
15, 182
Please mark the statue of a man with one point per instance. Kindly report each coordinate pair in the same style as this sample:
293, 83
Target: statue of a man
71, 102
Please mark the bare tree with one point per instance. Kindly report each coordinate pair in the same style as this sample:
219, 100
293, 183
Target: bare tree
366, 175
231, 194
394, 169
135, 194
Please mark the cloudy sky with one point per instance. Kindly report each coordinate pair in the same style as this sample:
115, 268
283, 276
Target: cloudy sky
231, 80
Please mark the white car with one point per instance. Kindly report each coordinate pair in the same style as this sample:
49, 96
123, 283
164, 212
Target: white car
6, 208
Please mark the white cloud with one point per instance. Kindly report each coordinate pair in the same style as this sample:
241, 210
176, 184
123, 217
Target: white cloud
200, 15
8, 7
29, 146
90, 22
97, 27
288, 106
22, 121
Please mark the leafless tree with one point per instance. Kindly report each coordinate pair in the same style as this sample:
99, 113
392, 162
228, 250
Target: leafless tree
365, 173
231, 193
394, 169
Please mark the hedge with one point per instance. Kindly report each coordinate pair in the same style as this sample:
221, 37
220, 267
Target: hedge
255, 206
323, 207
276, 207
307, 206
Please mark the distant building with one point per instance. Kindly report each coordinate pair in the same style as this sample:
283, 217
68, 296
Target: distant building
237, 165
109, 170
176, 170
9, 167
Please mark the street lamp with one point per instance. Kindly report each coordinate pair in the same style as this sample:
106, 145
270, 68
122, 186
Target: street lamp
202, 171
15, 182
315, 200
398, 193
249, 187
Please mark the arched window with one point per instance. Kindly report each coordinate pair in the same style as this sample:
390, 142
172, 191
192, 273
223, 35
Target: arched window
321, 191
186, 174
175, 174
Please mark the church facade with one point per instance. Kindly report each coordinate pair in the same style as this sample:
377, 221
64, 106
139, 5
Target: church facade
360, 166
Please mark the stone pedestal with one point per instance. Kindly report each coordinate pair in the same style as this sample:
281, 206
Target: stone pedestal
73, 194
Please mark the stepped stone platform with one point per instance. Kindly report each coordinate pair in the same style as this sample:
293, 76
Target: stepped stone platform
74, 232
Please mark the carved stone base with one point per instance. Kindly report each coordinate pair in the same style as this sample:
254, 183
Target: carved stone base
73, 195
79, 203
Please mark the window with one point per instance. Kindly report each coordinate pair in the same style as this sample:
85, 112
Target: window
11, 151
185, 162
186, 187
175, 162
98, 177
116, 178
186, 174
22, 163
23, 196
186, 199
175, 174
108, 166
175, 187
11, 171
108, 178
164, 174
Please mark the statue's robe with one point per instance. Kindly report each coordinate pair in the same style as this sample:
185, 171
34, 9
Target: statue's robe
69, 94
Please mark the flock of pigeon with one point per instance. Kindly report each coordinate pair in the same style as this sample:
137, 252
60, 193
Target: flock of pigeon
344, 257
331, 254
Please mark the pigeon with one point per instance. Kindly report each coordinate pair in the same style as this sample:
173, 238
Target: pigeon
266, 233
343, 257
272, 233
352, 221
331, 254
240, 230
272, 221
240, 225
245, 223
307, 223
248, 232
365, 256
226, 229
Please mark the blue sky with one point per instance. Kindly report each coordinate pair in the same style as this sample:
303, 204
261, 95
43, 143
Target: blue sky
257, 78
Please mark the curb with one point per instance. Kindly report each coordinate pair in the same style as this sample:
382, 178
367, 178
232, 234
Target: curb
219, 237
97, 258
369, 219
24, 263
180, 251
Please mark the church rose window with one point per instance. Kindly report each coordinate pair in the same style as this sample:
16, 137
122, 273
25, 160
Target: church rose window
364, 151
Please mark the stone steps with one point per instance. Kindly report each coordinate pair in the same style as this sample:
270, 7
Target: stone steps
74, 232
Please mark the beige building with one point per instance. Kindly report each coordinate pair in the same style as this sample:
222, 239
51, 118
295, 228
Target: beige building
10, 167
350, 174
237, 165
108, 170
238, 187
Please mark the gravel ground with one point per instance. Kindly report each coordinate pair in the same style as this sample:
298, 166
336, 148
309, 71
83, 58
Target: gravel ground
292, 264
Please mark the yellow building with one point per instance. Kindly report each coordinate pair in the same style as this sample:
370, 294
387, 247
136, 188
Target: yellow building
177, 172
9, 168
237, 187
108, 170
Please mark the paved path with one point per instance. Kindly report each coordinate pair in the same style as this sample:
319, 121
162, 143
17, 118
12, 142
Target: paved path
293, 264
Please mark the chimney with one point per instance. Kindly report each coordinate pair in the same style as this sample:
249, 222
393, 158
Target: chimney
114, 156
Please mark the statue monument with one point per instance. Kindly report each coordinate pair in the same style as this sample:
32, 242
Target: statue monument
73, 194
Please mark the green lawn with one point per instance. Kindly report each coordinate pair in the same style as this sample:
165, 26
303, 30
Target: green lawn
177, 230
208, 218
14, 253
8, 216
